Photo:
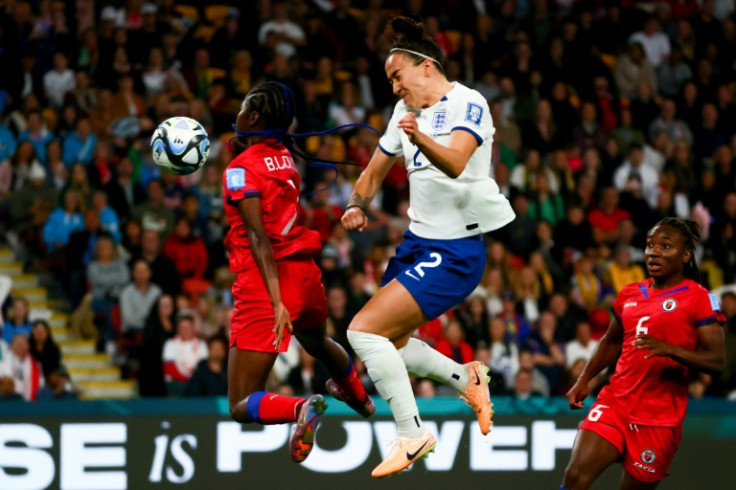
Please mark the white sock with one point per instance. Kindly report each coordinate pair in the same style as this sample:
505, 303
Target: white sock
388, 373
424, 362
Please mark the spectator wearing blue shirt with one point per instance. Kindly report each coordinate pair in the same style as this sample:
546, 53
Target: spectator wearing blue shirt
62, 222
109, 220
37, 134
7, 143
79, 146
17, 322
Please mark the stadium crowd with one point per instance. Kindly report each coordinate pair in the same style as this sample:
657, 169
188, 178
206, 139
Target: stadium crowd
609, 116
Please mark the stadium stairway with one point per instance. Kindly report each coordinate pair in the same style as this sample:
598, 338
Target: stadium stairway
92, 373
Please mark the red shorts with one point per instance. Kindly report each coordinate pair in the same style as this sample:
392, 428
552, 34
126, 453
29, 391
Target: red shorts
646, 451
303, 295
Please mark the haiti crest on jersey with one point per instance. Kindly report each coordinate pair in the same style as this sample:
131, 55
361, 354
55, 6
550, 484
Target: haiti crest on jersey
648, 456
438, 120
669, 304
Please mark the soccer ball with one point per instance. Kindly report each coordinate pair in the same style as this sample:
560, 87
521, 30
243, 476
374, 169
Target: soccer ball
180, 145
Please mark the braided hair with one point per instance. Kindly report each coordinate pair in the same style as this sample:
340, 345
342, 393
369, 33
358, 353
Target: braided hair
274, 101
690, 231
409, 36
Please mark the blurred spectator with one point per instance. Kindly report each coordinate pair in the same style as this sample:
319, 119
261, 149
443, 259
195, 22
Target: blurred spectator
707, 135
656, 44
673, 73
308, 376
79, 146
17, 321
136, 299
107, 274
186, 251
210, 377
586, 287
43, 347
37, 134
634, 70
622, 271
474, 318
153, 213
163, 270
62, 222
25, 371
676, 128
572, 236
589, 133
581, 347
605, 218
453, 344
160, 327
7, 389
109, 221
523, 385
57, 386
517, 326
545, 204
504, 353
519, 234
181, 355
59, 81
548, 356
123, 192
634, 167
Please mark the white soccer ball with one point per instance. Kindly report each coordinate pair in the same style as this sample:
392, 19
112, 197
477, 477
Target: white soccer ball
180, 145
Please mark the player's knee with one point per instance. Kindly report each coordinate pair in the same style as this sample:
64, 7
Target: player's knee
361, 323
575, 478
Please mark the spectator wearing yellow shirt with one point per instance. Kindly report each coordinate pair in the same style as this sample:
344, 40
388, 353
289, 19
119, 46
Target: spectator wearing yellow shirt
622, 272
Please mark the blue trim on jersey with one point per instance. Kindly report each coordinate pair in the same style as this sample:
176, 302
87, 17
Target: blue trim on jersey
643, 289
674, 291
253, 405
618, 318
707, 321
444, 98
385, 151
235, 202
463, 128
416, 164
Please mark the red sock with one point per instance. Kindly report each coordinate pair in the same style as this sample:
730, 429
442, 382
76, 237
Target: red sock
269, 409
351, 386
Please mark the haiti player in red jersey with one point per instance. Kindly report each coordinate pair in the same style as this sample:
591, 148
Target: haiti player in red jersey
278, 288
664, 326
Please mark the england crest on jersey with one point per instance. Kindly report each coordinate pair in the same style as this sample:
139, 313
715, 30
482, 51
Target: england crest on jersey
438, 120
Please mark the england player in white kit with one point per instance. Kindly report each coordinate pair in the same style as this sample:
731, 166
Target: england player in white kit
444, 131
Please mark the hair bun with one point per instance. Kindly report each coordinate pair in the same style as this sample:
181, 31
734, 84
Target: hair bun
407, 28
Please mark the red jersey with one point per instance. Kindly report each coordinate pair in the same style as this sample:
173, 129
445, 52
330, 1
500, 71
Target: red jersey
654, 391
266, 170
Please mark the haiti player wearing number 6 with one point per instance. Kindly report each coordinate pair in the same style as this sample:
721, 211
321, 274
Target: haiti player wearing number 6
278, 288
664, 326
444, 131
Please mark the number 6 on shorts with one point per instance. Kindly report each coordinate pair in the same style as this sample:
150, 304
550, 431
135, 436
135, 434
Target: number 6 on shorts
596, 412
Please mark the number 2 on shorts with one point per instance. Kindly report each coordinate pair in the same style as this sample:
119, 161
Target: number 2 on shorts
419, 268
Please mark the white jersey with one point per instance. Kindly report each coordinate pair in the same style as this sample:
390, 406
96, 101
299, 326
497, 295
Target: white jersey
441, 207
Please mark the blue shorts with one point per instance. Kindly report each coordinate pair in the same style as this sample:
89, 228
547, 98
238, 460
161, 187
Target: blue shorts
439, 274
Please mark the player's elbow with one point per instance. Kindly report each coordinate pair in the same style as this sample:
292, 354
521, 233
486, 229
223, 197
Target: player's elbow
719, 365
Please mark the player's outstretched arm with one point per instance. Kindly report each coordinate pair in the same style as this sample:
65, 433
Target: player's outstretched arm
452, 159
260, 247
365, 190
603, 356
709, 356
